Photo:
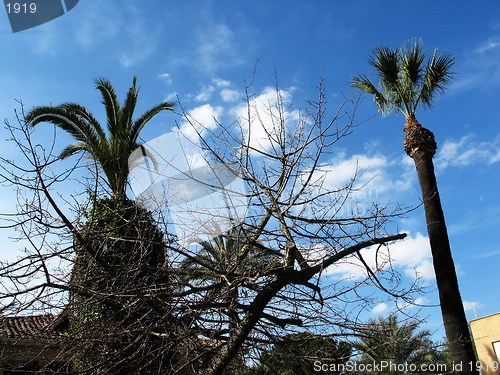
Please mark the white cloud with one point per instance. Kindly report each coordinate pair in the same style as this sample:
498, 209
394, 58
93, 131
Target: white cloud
360, 181
424, 270
205, 93
219, 82
466, 151
407, 176
261, 120
314, 253
220, 86
171, 96
411, 255
201, 118
228, 95
414, 255
166, 77
372, 178
380, 308
374, 173
341, 170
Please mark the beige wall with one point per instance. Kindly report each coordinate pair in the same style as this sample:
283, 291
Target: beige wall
486, 331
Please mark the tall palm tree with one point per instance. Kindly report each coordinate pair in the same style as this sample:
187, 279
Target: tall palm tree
128, 249
110, 149
407, 80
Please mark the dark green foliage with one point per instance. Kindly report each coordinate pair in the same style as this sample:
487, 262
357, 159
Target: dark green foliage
401, 344
120, 299
296, 354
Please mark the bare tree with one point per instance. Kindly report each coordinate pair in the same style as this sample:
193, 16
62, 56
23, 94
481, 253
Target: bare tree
151, 312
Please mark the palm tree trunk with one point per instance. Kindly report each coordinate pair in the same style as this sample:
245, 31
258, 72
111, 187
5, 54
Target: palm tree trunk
421, 147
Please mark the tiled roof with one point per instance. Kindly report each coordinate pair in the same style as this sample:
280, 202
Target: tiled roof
27, 326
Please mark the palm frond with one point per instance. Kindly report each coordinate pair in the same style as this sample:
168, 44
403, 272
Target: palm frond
412, 71
64, 119
74, 148
128, 108
140, 155
387, 65
111, 103
86, 116
412, 58
146, 117
437, 76
363, 83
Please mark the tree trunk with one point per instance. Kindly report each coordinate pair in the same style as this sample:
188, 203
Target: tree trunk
230, 350
232, 302
420, 146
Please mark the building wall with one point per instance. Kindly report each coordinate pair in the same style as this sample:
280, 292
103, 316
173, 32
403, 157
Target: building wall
486, 333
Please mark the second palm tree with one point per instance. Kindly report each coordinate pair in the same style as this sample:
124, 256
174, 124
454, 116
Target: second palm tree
406, 82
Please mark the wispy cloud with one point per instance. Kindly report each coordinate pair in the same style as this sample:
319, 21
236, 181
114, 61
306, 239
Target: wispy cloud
481, 66
95, 27
475, 220
466, 151
489, 254
218, 46
142, 40
171, 96
471, 306
219, 82
123, 24
166, 77
216, 43
205, 93
228, 95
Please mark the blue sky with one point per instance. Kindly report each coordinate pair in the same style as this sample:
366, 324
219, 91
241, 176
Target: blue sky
203, 52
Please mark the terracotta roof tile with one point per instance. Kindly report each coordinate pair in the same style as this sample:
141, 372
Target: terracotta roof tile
27, 326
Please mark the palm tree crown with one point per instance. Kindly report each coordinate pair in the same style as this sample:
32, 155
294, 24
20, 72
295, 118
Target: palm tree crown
219, 259
389, 340
406, 80
109, 149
